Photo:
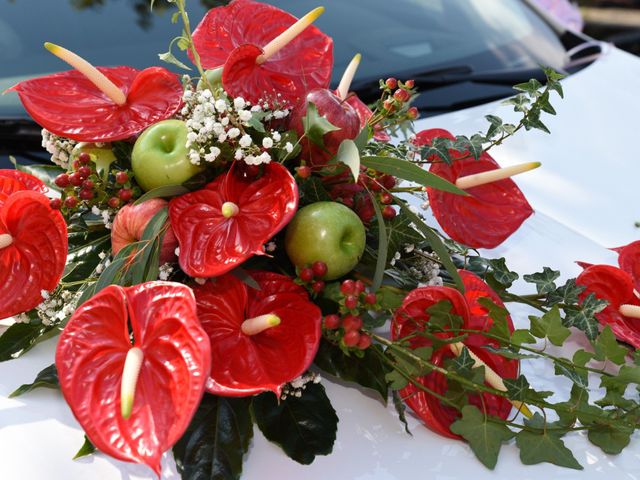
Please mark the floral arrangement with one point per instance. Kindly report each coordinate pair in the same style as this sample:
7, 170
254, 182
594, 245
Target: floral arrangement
205, 246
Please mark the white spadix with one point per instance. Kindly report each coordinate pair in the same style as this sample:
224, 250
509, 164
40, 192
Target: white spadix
255, 325
347, 76
130, 373
631, 311
490, 176
5, 240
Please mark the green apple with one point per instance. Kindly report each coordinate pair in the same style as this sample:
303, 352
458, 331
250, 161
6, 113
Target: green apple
327, 232
102, 156
159, 157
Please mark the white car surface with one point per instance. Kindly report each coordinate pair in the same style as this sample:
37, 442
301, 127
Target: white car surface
586, 199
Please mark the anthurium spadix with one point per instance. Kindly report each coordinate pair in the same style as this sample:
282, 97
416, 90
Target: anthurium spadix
99, 104
135, 392
265, 53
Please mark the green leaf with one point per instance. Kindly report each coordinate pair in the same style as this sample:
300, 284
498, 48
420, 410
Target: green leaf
367, 371
401, 233
501, 272
19, 338
611, 438
440, 147
582, 357
500, 326
362, 139
544, 280
411, 172
214, 445
543, 446
166, 191
531, 87
583, 317
441, 318
550, 326
46, 173
520, 336
568, 294
349, 155
87, 448
170, 58
484, 436
401, 409
626, 375
316, 126
47, 378
303, 426
577, 376
313, 190
383, 246
520, 390
508, 353
495, 125
607, 347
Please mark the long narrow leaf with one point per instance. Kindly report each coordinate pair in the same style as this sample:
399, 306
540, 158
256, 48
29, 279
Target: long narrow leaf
383, 246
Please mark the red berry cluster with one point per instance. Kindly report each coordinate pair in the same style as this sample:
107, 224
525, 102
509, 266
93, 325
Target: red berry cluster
84, 187
355, 299
312, 276
395, 95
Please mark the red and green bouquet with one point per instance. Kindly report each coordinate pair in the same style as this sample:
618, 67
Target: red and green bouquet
214, 243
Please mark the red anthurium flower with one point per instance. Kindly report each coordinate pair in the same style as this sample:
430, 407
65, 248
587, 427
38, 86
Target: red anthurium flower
365, 113
233, 37
33, 250
229, 220
70, 105
629, 261
173, 364
412, 316
14, 180
615, 286
491, 212
283, 340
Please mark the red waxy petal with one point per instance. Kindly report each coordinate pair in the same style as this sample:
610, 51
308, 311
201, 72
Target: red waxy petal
233, 36
36, 258
245, 365
90, 360
629, 261
210, 244
14, 180
411, 316
69, 105
474, 289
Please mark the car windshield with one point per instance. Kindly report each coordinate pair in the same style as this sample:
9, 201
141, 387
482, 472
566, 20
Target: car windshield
411, 36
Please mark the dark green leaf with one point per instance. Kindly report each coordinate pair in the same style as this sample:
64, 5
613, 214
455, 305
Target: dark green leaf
163, 192
577, 376
441, 318
303, 426
484, 436
87, 448
500, 325
19, 338
216, 441
544, 281
46, 173
501, 272
441, 148
401, 409
583, 317
520, 390
543, 446
550, 326
495, 125
368, 370
568, 293
383, 247
313, 190
401, 233
47, 378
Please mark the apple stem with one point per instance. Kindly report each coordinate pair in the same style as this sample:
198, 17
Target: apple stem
289, 34
631, 311
5, 240
130, 374
483, 178
490, 376
347, 76
96, 77
229, 209
255, 325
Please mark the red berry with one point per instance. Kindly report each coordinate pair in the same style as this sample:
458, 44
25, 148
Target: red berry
304, 171
122, 177
331, 322
401, 95
114, 202
71, 202
351, 322
351, 339
386, 198
84, 158
88, 184
319, 269
351, 302
306, 275
375, 185
391, 83
317, 286
76, 164
62, 180
370, 299
348, 287
413, 113
125, 194
347, 201
388, 181
364, 342
389, 105
360, 287
86, 194
410, 83
84, 172
76, 179
55, 203
389, 213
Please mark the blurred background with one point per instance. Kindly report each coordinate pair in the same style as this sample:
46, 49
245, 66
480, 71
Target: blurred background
616, 21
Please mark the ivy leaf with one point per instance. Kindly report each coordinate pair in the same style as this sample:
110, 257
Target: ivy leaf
495, 125
582, 357
501, 273
400, 233
583, 318
303, 426
401, 409
349, 155
508, 353
315, 126
519, 389
611, 438
87, 448
626, 375
441, 318
215, 442
500, 326
544, 281
484, 436
47, 378
579, 377
543, 446
368, 370
550, 326
607, 347
440, 147
520, 336
568, 294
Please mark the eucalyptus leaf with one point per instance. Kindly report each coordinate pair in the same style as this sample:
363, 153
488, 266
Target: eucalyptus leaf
349, 155
166, 191
48, 378
383, 246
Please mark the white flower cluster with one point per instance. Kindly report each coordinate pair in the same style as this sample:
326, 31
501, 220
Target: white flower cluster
165, 271
296, 386
60, 148
216, 124
54, 309
105, 214
105, 261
